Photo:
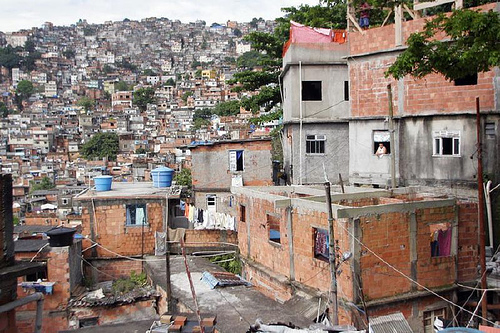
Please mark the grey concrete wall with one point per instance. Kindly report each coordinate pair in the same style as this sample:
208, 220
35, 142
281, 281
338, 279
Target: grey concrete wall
211, 167
75, 265
226, 202
364, 166
335, 159
415, 163
332, 105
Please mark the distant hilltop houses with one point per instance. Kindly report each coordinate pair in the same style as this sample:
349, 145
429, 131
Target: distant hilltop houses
135, 186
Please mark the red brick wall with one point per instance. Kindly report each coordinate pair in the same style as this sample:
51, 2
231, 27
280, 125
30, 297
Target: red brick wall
431, 95
196, 238
388, 236
41, 219
52, 322
112, 232
106, 270
468, 248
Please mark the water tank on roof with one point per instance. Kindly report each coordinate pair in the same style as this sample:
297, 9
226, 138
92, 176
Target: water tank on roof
103, 183
162, 177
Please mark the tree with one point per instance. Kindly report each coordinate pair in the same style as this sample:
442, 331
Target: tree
122, 86
186, 95
86, 102
23, 92
4, 110
143, 97
149, 72
101, 145
184, 178
45, 184
237, 32
200, 122
170, 82
141, 150
472, 46
69, 54
29, 46
107, 69
230, 108
251, 59
9, 58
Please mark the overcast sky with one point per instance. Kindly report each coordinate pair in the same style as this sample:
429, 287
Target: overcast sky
24, 14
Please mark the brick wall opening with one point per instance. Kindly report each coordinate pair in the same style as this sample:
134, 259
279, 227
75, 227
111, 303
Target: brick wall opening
440, 239
273, 225
321, 240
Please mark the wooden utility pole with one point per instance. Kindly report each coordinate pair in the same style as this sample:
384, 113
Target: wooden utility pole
480, 196
391, 133
332, 256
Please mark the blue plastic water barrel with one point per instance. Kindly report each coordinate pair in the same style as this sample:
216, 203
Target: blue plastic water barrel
103, 183
162, 177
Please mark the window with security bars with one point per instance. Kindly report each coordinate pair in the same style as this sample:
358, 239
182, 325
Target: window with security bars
315, 144
136, 215
446, 143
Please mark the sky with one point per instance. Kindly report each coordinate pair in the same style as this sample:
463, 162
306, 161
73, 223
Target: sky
25, 14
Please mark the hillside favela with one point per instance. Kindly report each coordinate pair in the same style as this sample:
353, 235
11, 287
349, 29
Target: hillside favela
328, 167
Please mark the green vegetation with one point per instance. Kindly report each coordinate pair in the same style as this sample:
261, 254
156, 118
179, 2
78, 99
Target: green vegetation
86, 103
23, 92
122, 86
472, 47
229, 108
141, 150
69, 54
186, 95
15, 219
45, 184
170, 82
101, 145
143, 97
123, 286
234, 266
184, 178
4, 110
149, 72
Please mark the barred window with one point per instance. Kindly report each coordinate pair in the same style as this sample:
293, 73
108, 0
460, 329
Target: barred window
315, 144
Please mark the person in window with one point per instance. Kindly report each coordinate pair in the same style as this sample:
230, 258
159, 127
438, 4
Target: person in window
381, 150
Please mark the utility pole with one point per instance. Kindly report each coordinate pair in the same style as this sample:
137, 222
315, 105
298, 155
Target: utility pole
332, 256
480, 196
391, 133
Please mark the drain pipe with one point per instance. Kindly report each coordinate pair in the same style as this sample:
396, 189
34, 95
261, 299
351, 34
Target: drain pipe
38, 297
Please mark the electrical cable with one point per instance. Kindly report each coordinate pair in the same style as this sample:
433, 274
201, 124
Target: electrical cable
410, 279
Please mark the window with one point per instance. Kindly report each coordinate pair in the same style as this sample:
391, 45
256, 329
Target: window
211, 202
311, 90
440, 242
430, 317
136, 215
447, 143
315, 144
489, 130
346, 90
321, 243
236, 160
468, 80
41, 275
273, 225
65, 201
243, 213
384, 138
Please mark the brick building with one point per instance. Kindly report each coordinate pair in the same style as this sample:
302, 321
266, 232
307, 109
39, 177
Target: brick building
435, 127
283, 239
125, 219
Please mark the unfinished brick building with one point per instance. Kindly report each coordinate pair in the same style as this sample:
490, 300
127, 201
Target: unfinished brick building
283, 237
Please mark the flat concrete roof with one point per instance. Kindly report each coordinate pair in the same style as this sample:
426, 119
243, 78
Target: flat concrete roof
143, 190
236, 307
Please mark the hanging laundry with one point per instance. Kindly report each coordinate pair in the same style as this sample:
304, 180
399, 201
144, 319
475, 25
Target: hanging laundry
444, 241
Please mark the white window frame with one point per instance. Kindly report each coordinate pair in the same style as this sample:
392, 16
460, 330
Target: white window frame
382, 136
316, 139
211, 202
233, 160
437, 143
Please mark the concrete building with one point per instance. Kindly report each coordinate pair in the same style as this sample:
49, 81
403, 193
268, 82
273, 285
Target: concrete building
219, 165
315, 108
383, 245
435, 127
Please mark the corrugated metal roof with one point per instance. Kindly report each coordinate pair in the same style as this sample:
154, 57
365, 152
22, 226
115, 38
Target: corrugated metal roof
393, 323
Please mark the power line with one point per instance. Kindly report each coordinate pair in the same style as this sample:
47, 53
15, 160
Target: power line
410, 279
